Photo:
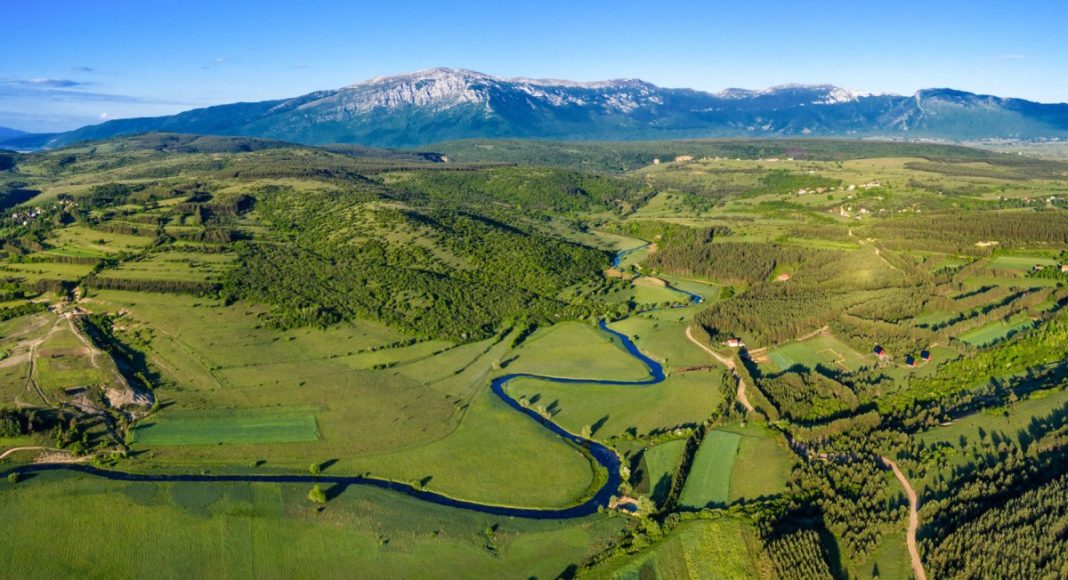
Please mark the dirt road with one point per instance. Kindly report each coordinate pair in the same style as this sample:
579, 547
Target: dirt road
5, 454
914, 519
740, 395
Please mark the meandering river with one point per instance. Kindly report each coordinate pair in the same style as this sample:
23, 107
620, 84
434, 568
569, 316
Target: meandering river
603, 455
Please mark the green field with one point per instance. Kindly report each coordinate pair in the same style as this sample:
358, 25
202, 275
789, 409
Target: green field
32, 272
822, 349
762, 465
683, 400
192, 266
659, 464
996, 331
184, 530
1020, 263
243, 426
578, 350
699, 549
80, 241
407, 422
709, 481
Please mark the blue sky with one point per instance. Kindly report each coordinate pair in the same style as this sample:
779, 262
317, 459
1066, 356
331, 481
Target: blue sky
70, 63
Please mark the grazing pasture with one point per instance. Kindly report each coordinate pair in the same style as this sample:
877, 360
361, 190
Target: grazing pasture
659, 464
273, 425
1020, 263
723, 548
996, 331
709, 481
822, 349
762, 465
183, 530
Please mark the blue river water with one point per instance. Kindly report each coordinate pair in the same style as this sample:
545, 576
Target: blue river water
602, 454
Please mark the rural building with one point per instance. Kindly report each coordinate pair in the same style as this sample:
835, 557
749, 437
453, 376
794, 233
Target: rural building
1064, 267
735, 342
910, 361
879, 352
783, 277
683, 158
1038, 268
925, 355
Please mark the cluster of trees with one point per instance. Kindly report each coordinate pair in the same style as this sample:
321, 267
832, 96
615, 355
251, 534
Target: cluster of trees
960, 231
783, 181
625, 156
798, 555
669, 235
194, 287
854, 498
807, 396
16, 422
537, 189
8, 160
1023, 538
22, 310
458, 273
308, 288
734, 262
965, 376
1004, 506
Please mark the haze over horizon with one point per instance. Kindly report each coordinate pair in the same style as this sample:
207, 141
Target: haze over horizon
79, 64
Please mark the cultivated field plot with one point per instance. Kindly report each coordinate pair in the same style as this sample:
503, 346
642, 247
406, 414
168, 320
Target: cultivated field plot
723, 548
822, 349
1020, 263
274, 425
33, 272
82, 242
709, 482
658, 466
762, 465
174, 266
996, 331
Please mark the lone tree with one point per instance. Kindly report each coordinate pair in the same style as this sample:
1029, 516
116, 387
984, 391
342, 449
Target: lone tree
13, 477
317, 495
314, 469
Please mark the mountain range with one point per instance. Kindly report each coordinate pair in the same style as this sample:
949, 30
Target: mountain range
442, 104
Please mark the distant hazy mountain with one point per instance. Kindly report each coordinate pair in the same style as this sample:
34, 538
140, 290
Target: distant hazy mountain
7, 133
446, 104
